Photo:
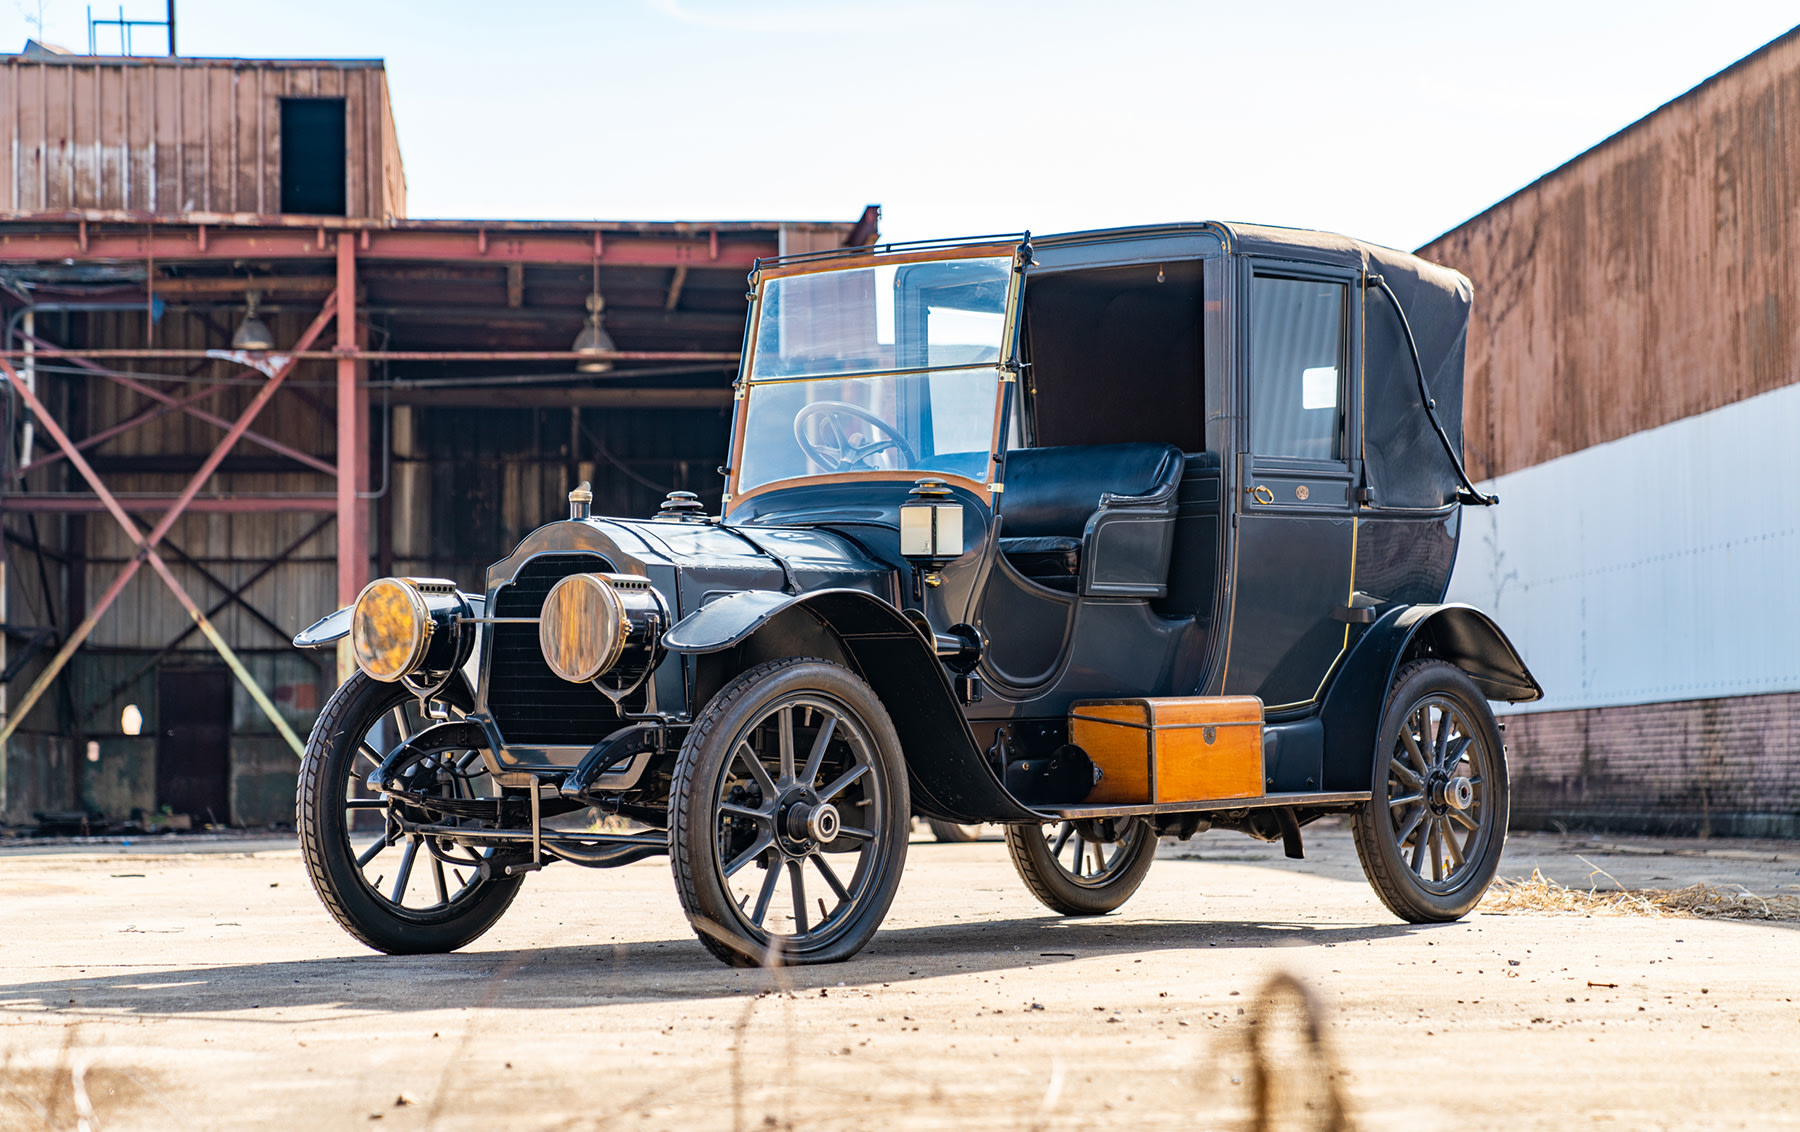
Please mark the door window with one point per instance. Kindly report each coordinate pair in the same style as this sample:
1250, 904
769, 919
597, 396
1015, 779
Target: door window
1296, 368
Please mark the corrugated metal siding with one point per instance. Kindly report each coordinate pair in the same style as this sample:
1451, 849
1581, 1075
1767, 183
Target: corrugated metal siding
173, 136
231, 546
1651, 278
1658, 567
470, 483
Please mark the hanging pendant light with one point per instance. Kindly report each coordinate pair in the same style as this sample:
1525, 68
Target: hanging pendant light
593, 338
252, 333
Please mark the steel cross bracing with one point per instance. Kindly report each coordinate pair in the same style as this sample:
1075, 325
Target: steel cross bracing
147, 543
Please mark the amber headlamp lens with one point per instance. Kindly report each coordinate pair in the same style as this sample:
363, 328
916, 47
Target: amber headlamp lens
583, 627
389, 630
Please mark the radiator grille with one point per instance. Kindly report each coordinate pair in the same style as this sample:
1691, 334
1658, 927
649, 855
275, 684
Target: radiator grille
533, 705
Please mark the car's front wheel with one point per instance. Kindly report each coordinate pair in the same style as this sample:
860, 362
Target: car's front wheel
1430, 837
788, 816
398, 892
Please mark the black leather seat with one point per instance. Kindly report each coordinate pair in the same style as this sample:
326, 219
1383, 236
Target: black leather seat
1051, 493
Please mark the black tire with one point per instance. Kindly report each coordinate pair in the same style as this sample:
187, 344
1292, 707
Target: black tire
952, 832
336, 750
1436, 730
1119, 865
735, 802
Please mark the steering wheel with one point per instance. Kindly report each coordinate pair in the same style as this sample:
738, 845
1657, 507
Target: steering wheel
835, 450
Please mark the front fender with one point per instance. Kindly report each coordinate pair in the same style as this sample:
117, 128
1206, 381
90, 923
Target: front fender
950, 778
329, 628
728, 621
336, 626
1459, 634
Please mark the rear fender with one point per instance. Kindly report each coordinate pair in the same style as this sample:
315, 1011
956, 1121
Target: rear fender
950, 779
1460, 634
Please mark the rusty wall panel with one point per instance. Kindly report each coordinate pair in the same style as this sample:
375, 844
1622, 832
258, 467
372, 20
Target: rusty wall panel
1649, 279
393, 187
110, 137
355, 150
182, 135
165, 130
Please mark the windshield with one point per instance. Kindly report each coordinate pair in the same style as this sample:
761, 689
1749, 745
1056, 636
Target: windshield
876, 369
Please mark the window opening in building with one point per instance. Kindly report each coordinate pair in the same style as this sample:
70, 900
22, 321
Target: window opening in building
312, 156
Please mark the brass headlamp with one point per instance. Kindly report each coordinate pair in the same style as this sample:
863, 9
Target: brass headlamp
400, 625
603, 625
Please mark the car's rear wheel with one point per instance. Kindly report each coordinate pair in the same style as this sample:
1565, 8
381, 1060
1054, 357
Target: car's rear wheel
397, 892
1431, 836
788, 817
1085, 868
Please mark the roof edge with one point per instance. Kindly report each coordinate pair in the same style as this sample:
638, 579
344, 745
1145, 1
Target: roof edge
355, 223
1694, 91
73, 60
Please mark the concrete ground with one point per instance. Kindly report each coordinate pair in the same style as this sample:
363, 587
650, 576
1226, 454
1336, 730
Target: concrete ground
201, 985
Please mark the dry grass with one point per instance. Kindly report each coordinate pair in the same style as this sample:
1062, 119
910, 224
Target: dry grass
1540, 894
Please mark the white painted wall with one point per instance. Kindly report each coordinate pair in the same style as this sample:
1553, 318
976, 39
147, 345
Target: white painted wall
1663, 566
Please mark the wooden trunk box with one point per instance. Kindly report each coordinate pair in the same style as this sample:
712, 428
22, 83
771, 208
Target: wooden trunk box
1182, 749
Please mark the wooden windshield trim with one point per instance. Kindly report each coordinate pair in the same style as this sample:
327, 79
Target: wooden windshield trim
985, 491
883, 259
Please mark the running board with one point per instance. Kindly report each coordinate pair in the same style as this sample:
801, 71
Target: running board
1261, 801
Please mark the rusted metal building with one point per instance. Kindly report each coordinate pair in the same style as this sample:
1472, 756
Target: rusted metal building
1633, 394
226, 333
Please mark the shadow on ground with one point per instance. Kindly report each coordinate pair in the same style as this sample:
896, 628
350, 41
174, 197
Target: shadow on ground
655, 970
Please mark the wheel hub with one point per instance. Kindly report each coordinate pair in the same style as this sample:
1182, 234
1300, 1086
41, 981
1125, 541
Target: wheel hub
805, 822
1451, 792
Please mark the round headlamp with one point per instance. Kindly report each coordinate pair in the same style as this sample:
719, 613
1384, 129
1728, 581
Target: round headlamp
390, 629
583, 627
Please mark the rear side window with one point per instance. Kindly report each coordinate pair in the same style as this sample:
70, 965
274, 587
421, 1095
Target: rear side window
1296, 368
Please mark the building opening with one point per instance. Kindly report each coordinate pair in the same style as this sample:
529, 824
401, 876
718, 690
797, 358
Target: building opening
312, 156
193, 742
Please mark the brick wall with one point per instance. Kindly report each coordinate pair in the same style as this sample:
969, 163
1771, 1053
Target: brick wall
1721, 767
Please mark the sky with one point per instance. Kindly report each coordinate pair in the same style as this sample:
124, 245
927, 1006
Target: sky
1393, 122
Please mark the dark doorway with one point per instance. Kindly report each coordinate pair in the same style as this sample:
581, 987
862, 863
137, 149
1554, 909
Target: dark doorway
193, 742
312, 156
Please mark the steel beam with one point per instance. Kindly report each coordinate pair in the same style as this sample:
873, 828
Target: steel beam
438, 244
516, 397
81, 360
352, 524
106, 434
233, 594
146, 544
83, 503
253, 357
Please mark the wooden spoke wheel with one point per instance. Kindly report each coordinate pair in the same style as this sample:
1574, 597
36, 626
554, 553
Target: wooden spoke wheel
1084, 868
397, 892
789, 815
1430, 838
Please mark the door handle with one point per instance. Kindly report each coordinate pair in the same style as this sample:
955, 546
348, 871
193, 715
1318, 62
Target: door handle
1261, 494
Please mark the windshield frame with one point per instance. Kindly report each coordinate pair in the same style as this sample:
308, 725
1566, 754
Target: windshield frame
1007, 367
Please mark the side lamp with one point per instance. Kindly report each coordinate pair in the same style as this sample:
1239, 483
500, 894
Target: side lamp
931, 533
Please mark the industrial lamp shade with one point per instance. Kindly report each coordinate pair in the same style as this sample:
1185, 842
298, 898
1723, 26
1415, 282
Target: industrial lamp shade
252, 333
594, 339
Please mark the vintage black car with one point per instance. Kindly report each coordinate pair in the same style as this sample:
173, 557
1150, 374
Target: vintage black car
1103, 537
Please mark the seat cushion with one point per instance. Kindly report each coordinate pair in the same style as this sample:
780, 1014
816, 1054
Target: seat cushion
1044, 556
1053, 491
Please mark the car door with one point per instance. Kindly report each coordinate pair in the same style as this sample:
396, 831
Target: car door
1294, 510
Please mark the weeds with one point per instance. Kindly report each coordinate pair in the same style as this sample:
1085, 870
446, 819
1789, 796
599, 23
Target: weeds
1538, 893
